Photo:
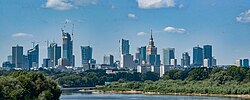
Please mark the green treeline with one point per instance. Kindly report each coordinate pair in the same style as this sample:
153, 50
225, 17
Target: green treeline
233, 80
92, 78
18, 85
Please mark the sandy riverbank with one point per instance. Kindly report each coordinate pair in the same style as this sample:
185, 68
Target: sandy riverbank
161, 93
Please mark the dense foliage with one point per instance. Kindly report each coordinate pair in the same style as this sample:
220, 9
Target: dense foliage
92, 78
27, 86
233, 80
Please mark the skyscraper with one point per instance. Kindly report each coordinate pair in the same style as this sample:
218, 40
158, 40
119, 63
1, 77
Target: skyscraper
86, 54
168, 54
208, 54
173, 62
245, 63
152, 57
33, 57
127, 61
17, 56
185, 61
124, 46
151, 49
54, 54
239, 63
68, 48
197, 56
108, 60
142, 54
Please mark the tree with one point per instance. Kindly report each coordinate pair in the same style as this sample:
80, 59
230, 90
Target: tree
150, 76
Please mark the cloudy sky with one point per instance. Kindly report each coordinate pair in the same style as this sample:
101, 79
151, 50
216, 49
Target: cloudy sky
181, 24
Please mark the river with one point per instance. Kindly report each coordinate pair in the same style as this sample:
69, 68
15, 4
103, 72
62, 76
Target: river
84, 96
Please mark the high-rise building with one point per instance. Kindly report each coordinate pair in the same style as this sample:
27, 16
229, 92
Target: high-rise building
214, 62
239, 63
168, 54
9, 58
173, 62
197, 56
127, 61
68, 48
108, 60
206, 63
33, 57
54, 54
152, 57
208, 54
151, 49
17, 56
46, 63
185, 61
124, 46
25, 62
245, 63
142, 54
86, 54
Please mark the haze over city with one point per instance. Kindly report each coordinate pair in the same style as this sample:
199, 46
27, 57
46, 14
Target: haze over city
180, 24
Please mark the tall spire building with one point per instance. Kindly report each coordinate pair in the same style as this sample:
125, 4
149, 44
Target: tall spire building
152, 57
68, 48
151, 49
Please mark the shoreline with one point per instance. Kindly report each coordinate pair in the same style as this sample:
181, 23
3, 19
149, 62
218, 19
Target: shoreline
245, 96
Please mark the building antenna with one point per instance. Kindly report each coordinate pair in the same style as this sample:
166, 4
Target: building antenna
33, 44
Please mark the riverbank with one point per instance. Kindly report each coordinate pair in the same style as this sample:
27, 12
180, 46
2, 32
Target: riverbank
162, 93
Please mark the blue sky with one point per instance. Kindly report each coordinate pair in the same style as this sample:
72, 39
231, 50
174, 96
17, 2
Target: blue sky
181, 24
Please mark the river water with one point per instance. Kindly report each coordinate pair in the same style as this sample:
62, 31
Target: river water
82, 96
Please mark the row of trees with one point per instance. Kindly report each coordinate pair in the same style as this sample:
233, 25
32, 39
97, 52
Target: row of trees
217, 74
92, 78
27, 86
232, 80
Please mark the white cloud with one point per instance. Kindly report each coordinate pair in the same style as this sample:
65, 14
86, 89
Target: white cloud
22, 35
244, 17
141, 33
174, 30
131, 15
67, 4
151, 4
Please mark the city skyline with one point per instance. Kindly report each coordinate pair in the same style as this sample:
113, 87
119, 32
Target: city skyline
100, 24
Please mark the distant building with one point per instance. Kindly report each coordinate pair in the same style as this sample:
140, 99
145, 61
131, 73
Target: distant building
127, 61
239, 63
54, 54
173, 62
109, 60
9, 58
124, 46
63, 62
168, 54
92, 64
17, 56
8, 64
26, 63
33, 57
151, 49
142, 54
86, 54
208, 54
143, 68
46, 63
206, 63
245, 63
68, 48
153, 59
185, 61
197, 56
214, 62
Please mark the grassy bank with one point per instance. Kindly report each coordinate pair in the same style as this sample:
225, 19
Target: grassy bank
205, 87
